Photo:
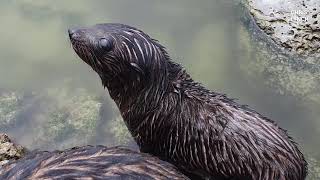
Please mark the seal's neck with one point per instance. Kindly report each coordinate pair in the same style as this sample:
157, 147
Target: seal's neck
142, 81
144, 93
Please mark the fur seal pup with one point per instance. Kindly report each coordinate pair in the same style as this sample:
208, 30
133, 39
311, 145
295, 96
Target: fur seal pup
171, 116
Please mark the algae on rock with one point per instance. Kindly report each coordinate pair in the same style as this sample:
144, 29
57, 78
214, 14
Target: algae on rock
313, 169
9, 102
59, 118
120, 131
72, 114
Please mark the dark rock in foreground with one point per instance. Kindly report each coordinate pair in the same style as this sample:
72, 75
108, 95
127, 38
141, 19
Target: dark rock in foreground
90, 163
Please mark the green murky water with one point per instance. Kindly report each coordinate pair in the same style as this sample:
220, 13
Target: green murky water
49, 99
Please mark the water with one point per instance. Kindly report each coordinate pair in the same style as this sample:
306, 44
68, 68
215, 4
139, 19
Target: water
205, 36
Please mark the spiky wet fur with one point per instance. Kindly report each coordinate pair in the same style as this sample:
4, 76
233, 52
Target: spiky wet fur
88, 162
171, 116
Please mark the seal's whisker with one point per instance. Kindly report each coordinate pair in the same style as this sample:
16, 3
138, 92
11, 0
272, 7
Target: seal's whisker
93, 59
97, 60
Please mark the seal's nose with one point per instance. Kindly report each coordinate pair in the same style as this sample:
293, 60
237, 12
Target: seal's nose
71, 32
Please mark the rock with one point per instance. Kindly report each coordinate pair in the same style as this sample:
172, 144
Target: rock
286, 72
293, 77
9, 150
293, 24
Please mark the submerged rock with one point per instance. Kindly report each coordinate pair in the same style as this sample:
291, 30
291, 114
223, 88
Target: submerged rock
53, 118
9, 107
314, 169
293, 24
59, 118
120, 131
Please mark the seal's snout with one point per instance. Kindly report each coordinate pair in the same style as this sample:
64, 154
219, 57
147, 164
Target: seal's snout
72, 33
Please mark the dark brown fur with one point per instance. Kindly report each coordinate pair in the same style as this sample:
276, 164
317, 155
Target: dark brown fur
171, 116
90, 163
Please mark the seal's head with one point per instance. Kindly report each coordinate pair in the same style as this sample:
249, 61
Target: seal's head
117, 49
126, 59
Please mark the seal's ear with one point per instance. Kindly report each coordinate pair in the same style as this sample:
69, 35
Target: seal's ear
106, 44
137, 68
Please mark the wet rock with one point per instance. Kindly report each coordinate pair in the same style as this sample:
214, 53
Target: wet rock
9, 150
288, 74
285, 72
293, 24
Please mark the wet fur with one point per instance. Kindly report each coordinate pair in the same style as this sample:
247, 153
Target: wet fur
171, 116
90, 163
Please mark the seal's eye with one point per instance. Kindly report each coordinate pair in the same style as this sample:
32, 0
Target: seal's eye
106, 44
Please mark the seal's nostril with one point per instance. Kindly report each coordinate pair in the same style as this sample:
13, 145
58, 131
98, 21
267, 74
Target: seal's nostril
71, 32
